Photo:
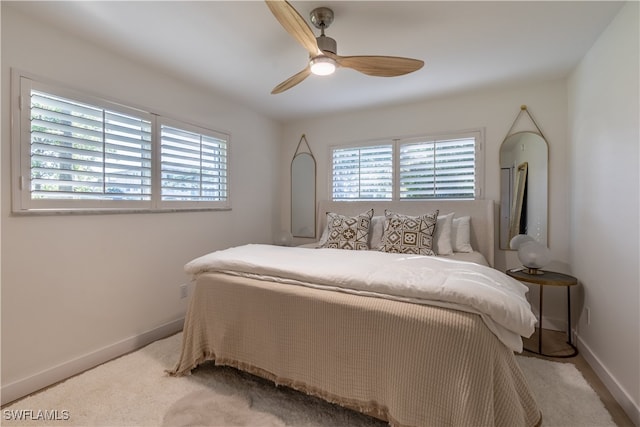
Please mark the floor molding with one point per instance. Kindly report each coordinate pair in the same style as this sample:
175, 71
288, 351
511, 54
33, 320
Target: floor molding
33, 383
621, 396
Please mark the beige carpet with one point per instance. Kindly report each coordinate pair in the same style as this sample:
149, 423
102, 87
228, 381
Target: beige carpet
135, 391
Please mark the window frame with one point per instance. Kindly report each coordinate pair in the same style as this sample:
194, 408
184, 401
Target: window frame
22, 84
479, 168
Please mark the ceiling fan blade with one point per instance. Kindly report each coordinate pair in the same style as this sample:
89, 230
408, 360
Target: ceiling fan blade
292, 81
295, 24
379, 66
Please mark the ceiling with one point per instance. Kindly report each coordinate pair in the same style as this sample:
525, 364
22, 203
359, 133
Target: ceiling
238, 49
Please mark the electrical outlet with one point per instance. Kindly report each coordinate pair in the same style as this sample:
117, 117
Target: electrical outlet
184, 291
588, 313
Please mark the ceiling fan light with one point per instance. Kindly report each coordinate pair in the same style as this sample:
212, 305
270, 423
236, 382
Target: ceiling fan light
322, 65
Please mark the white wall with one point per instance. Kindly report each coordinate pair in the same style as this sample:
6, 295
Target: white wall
604, 141
73, 285
494, 110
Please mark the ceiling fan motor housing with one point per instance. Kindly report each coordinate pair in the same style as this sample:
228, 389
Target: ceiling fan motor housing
327, 44
321, 18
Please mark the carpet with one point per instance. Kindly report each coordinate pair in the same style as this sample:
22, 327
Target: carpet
134, 390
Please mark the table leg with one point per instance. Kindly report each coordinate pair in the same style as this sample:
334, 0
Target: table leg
569, 314
570, 341
540, 323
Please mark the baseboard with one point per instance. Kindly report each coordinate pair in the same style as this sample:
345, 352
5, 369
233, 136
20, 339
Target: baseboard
554, 323
33, 383
619, 394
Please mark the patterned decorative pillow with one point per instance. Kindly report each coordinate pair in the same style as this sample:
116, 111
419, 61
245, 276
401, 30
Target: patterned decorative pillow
346, 232
409, 234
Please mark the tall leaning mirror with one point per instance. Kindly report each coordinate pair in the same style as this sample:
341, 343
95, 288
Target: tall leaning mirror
303, 191
524, 163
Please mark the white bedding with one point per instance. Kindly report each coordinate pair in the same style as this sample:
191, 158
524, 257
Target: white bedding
473, 256
497, 298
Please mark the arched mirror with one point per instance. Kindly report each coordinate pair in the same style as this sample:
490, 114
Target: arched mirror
524, 158
303, 193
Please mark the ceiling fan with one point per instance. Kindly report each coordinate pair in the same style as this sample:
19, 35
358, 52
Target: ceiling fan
323, 57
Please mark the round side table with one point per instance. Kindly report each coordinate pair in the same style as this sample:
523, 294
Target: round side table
542, 279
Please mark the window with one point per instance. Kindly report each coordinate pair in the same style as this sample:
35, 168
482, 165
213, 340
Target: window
193, 164
438, 169
83, 152
74, 153
444, 167
363, 173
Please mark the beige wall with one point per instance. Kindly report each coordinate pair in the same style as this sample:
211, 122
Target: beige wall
72, 285
604, 216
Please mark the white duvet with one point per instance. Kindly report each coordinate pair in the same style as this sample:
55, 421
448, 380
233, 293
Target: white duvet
499, 299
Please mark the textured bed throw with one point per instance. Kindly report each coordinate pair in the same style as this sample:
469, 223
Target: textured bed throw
497, 298
409, 364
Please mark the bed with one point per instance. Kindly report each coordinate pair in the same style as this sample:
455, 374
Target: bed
411, 339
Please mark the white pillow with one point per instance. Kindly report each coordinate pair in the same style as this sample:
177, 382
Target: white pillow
375, 234
461, 234
325, 235
442, 238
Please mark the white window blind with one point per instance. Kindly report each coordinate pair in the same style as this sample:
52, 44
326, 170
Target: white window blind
444, 167
193, 165
363, 173
81, 151
438, 169
73, 152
